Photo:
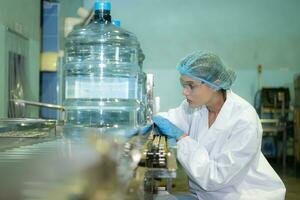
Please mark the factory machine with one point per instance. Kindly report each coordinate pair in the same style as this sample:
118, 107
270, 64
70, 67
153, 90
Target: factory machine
39, 159
99, 148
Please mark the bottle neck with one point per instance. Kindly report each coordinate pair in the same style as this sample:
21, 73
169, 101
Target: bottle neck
102, 16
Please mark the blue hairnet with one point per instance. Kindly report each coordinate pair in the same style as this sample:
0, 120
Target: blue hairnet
208, 68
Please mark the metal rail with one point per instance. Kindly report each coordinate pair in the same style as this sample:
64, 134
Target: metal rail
33, 103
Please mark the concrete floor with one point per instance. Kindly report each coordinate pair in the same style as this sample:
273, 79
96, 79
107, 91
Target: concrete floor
290, 180
292, 185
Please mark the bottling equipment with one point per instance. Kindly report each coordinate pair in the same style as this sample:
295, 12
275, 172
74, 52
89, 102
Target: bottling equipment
38, 160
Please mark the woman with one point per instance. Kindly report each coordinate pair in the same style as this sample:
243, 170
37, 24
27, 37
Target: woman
218, 135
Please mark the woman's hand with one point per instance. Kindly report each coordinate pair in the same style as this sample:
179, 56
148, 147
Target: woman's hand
167, 128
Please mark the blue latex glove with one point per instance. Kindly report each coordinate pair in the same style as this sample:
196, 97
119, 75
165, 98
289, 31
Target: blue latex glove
138, 131
166, 127
172, 142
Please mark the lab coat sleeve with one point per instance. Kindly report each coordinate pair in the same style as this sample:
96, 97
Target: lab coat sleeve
213, 171
179, 116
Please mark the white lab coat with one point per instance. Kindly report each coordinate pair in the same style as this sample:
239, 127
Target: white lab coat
225, 160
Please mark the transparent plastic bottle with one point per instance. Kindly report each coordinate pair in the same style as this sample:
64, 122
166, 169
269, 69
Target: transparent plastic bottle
142, 94
101, 74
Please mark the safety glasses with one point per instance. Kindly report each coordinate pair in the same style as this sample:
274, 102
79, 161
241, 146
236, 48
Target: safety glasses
190, 85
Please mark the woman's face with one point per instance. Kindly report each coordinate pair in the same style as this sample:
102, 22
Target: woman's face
196, 93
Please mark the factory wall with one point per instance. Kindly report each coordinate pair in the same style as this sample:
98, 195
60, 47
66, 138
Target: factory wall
243, 33
22, 17
68, 8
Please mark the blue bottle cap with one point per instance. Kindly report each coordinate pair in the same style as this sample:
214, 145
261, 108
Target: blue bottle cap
105, 5
116, 22
96, 5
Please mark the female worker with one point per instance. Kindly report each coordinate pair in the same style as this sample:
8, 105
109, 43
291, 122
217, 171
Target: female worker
218, 135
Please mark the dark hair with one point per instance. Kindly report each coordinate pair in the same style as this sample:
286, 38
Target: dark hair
223, 91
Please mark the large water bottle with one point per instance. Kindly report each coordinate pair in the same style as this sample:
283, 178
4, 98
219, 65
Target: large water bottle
142, 93
101, 74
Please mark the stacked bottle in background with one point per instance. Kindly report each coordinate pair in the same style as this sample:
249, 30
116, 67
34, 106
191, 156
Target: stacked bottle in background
142, 78
102, 74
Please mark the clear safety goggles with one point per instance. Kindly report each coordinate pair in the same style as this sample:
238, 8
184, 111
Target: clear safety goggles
191, 86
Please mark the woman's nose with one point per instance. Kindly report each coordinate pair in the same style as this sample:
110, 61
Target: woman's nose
185, 91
